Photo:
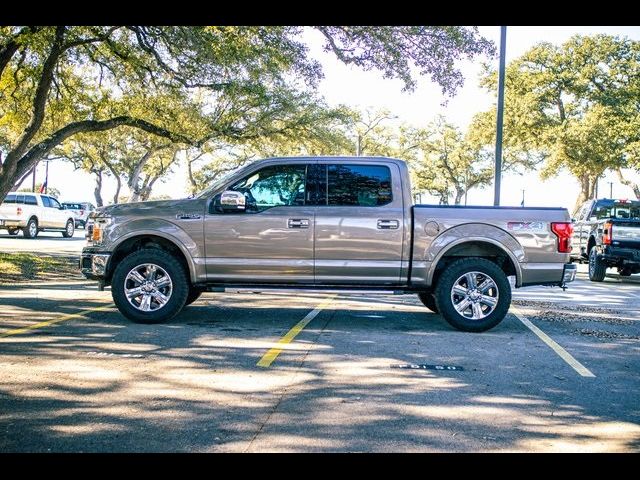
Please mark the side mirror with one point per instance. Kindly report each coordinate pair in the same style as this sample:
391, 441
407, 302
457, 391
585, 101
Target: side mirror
229, 201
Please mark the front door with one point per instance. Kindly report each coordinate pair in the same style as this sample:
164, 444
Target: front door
359, 224
53, 217
271, 241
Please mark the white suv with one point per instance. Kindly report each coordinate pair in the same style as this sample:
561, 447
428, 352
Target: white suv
33, 213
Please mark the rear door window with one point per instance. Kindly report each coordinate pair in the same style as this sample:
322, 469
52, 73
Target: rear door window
30, 200
358, 185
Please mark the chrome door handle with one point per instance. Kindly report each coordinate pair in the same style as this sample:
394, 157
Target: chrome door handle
298, 223
388, 224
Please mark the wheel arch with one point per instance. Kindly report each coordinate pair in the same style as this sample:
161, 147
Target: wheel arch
481, 247
161, 241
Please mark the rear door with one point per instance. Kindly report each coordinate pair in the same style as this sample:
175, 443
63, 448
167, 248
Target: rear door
359, 223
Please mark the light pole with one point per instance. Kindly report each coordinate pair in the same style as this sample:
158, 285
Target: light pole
522, 203
610, 189
499, 117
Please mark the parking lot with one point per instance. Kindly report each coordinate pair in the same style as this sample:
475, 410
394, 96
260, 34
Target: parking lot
300, 371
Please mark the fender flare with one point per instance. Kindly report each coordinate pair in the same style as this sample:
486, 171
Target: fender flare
516, 258
166, 236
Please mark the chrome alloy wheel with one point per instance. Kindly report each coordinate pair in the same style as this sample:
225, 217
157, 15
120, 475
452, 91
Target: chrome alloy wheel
70, 228
474, 295
33, 228
148, 287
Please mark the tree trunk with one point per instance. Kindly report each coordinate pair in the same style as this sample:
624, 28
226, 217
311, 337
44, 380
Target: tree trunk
459, 195
587, 190
116, 195
134, 177
584, 194
634, 186
24, 177
97, 192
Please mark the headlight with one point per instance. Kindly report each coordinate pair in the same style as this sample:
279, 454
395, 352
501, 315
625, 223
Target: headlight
96, 228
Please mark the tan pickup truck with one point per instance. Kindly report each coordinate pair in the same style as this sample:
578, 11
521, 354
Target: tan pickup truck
335, 223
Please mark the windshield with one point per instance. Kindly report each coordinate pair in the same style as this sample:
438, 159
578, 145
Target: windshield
613, 209
217, 183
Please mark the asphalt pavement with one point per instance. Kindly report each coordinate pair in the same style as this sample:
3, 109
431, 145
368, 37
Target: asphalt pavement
359, 373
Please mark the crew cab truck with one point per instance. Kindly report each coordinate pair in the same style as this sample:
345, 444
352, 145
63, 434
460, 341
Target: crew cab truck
331, 223
32, 213
607, 235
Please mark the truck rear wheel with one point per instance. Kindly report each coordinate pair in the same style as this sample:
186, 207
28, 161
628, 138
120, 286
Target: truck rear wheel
597, 268
149, 286
31, 230
473, 294
429, 301
194, 294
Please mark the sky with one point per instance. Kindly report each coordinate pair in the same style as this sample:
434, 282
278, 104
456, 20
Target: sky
352, 86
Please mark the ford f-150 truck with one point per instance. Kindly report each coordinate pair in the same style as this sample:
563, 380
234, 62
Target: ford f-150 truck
32, 213
607, 233
325, 223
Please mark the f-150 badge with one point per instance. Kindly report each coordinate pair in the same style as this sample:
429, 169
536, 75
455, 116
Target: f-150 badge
530, 227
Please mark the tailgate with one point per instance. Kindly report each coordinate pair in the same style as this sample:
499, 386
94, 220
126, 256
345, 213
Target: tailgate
626, 233
9, 212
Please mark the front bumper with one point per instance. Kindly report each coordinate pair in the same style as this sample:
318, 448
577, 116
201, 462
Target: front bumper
93, 265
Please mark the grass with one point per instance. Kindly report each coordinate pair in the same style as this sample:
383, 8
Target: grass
22, 267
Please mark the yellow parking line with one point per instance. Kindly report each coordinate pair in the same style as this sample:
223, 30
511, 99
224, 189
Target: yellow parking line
562, 353
273, 353
63, 318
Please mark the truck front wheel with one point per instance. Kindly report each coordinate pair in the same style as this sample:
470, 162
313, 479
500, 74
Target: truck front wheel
149, 286
473, 294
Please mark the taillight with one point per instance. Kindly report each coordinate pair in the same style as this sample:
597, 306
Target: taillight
19, 211
607, 233
563, 231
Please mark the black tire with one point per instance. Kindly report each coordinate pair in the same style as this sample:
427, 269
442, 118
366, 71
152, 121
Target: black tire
69, 229
194, 294
451, 276
625, 272
13, 231
31, 230
429, 301
597, 268
175, 271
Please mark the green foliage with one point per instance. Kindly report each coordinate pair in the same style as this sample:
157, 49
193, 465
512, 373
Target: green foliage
191, 85
445, 162
575, 105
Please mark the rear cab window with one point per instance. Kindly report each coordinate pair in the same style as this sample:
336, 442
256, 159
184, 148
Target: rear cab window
605, 209
355, 185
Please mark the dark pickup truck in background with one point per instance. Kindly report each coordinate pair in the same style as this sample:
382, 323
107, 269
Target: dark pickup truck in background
607, 234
